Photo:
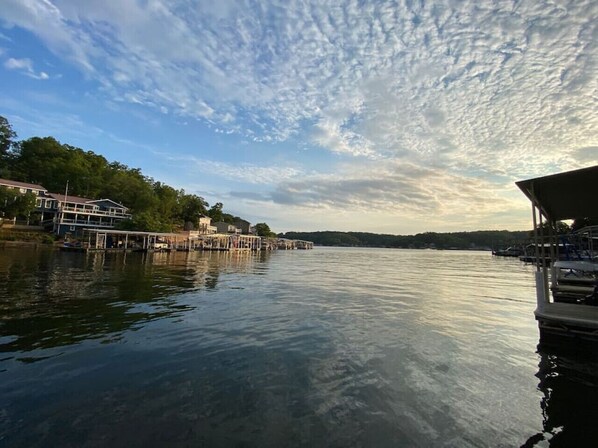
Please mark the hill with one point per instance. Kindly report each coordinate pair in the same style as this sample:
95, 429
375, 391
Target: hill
482, 239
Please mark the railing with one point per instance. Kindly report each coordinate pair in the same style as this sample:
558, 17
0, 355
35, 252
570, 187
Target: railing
85, 222
95, 212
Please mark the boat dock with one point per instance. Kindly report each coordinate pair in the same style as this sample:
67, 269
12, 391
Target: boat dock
568, 320
134, 241
566, 280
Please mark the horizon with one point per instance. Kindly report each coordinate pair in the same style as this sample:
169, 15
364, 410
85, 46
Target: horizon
393, 117
404, 234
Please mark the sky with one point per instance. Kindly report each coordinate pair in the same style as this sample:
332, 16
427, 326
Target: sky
382, 116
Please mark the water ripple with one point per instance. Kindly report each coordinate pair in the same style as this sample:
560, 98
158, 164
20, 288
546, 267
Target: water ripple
330, 347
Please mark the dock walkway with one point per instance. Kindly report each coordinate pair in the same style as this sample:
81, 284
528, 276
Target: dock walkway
570, 314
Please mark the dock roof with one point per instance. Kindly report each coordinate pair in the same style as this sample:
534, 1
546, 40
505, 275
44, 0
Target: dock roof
567, 195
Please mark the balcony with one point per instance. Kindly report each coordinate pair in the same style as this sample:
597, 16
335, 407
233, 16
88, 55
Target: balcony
88, 211
84, 222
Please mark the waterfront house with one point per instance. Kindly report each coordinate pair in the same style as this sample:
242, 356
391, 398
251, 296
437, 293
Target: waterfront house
205, 226
225, 227
243, 225
71, 214
23, 187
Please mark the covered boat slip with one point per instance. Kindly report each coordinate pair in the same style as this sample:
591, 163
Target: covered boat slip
124, 240
119, 240
572, 309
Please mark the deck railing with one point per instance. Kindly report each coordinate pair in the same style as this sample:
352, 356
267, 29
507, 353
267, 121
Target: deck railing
88, 211
85, 222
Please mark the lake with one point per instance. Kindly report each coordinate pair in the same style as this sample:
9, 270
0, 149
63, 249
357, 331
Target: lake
330, 347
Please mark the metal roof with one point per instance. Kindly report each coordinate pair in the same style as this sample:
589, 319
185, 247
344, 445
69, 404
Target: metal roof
568, 195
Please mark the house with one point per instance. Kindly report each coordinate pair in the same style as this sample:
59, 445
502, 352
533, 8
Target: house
205, 226
23, 187
225, 227
243, 225
71, 214
68, 214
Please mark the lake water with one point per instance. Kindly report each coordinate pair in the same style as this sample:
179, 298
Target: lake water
331, 347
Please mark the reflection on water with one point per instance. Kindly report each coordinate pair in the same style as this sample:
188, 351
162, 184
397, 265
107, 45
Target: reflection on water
52, 298
330, 347
569, 385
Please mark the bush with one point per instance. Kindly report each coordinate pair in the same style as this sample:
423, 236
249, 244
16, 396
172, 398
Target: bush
48, 239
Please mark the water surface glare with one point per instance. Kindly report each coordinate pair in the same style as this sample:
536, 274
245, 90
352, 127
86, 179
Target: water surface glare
330, 347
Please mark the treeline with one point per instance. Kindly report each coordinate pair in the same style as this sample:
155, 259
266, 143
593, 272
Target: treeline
155, 206
484, 239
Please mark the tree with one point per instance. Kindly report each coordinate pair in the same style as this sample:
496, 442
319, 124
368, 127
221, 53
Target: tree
263, 229
562, 228
191, 207
48, 162
145, 222
215, 212
7, 136
130, 188
42, 161
169, 201
14, 204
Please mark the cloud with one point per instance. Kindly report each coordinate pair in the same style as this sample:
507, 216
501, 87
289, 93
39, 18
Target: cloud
393, 204
478, 93
586, 155
395, 188
384, 196
242, 172
26, 67
458, 83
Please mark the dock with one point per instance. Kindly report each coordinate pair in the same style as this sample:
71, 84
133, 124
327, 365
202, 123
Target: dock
566, 279
568, 320
110, 240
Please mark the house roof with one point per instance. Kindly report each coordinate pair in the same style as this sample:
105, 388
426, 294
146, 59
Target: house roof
567, 195
69, 198
15, 183
80, 200
108, 200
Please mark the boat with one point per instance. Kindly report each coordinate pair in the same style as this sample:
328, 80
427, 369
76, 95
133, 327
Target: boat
510, 251
566, 280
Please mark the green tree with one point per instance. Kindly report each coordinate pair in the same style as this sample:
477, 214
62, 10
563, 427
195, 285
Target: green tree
215, 212
7, 141
14, 204
144, 221
129, 187
42, 161
48, 162
169, 202
191, 207
263, 229
562, 228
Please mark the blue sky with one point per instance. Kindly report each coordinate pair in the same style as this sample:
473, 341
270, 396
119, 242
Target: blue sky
395, 117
